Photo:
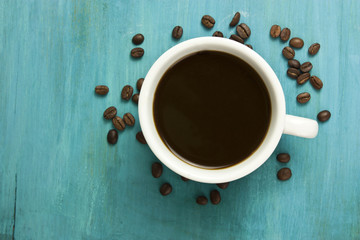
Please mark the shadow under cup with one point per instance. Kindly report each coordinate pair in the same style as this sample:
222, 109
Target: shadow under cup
212, 109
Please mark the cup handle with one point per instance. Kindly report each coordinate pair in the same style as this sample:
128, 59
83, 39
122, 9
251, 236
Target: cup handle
300, 127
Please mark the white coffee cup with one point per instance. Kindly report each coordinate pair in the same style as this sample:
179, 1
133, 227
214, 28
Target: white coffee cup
280, 122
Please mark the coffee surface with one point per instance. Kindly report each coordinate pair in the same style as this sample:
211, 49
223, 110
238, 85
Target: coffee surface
212, 109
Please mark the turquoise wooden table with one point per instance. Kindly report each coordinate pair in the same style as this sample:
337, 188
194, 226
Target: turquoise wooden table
59, 178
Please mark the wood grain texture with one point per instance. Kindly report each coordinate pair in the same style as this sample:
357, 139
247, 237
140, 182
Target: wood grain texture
72, 185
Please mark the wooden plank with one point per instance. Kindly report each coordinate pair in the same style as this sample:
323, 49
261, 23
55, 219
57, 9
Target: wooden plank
72, 185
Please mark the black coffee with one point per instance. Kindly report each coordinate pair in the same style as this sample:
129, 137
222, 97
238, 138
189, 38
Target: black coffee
212, 109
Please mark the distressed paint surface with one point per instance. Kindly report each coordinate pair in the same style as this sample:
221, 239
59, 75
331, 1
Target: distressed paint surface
59, 179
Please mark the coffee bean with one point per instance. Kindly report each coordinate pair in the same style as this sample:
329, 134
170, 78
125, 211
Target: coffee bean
316, 82
237, 38
323, 116
306, 67
129, 119
184, 179
140, 137
215, 197
110, 112
285, 34
218, 34
243, 30
235, 20
208, 21
249, 46
101, 90
314, 48
127, 92
138, 39
201, 200
118, 123
139, 83
156, 169
275, 31
165, 189
284, 174
177, 32
137, 52
288, 53
223, 185
283, 157
294, 63
112, 136
293, 73
135, 98
303, 97
296, 42
302, 78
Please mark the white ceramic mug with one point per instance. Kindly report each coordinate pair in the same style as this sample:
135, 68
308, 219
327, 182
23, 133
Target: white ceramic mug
280, 122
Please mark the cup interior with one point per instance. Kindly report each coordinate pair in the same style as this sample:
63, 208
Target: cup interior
245, 167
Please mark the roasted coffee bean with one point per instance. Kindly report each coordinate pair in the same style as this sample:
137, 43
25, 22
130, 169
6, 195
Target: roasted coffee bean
129, 119
101, 90
288, 53
165, 189
303, 97
275, 31
306, 67
215, 197
140, 137
293, 73
112, 136
223, 185
294, 63
139, 83
323, 116
138, 39
314, 48
110, 112
302, 78
283, 157
243, 30
137, 52
237, 38
177, 32
118, 123
201, 200
249, 46
284, 174
285, 34
316, 82
184, 179
135, 98
235, 20
296, 42
156, 169
127, 92
218, 34
208, 21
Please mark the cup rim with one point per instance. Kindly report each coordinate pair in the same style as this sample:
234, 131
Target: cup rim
155, 142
